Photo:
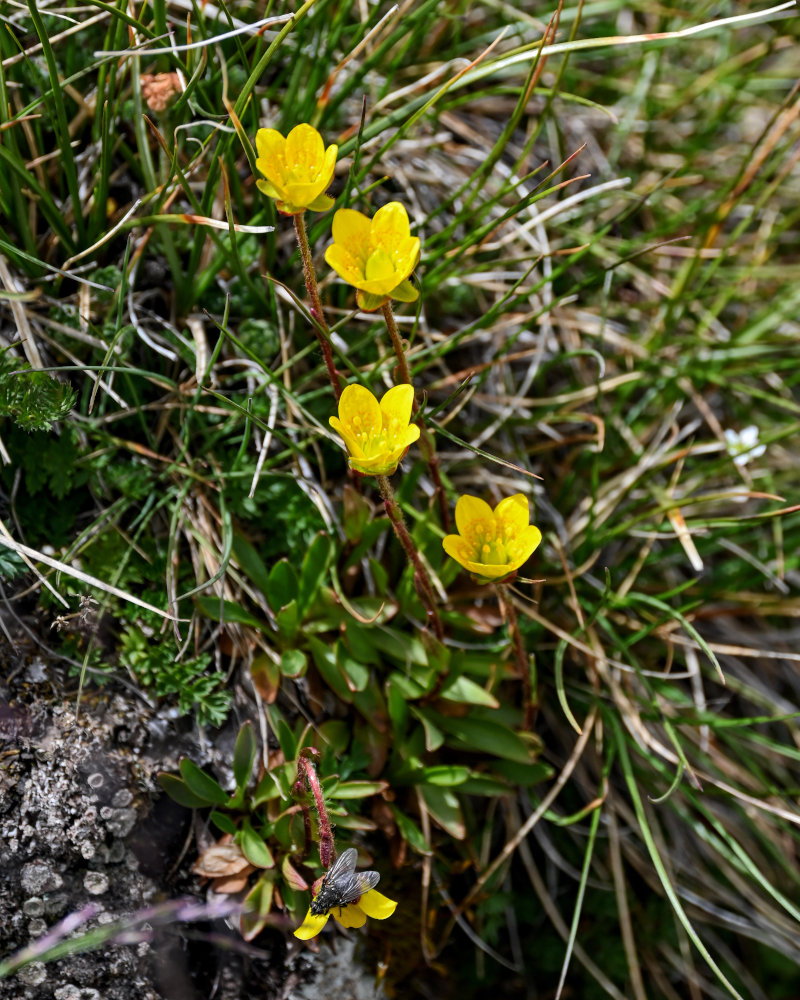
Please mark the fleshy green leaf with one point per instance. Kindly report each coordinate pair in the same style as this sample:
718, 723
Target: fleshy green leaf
282, 585
358, 789
445, 809
202, 784
464, 690
244, 755
179, 792
228, 611
254, 848
294, 663
446, 775
257, 906
314, 571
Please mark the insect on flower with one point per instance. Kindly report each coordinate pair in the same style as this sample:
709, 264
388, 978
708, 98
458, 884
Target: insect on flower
347, 895
343, 884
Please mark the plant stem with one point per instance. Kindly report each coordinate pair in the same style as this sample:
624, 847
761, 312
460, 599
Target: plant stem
523, 667
397, 343
428, 449
305, 769
426, 438
317, 312
422, 582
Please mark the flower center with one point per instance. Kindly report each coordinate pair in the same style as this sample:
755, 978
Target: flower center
375, 439
486, 544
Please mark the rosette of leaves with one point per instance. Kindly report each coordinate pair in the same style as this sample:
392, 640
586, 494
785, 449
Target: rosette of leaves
263, 849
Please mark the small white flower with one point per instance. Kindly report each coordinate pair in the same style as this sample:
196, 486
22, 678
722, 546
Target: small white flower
743, 445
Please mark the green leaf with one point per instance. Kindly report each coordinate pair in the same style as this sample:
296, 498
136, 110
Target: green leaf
257, 906
292, 876
223, 822
267, 789
462, 689
398, 709
408, 688
486, 736
523, 775
201, 784
313, 571
434, 737
335, 733
355, 673
445, 775
484, 784
401, 647
445, 809
356, 512
254, 848
347, 822
325, 661
288, 619
250, 561
282, 586
287, 740
244, 755
180, 792
228, 611
409, 830
358, 789
294, 663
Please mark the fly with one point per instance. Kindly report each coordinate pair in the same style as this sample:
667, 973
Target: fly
343, 884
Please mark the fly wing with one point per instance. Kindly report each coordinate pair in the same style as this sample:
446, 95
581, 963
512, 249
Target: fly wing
345, 863
351, 887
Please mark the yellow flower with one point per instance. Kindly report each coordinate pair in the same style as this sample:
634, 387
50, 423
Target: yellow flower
298, 169
372, 904
492, 544
375, 255
377, 435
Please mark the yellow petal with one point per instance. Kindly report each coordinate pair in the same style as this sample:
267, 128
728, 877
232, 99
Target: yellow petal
410, 436
311, 926
513, 514
344, 263
351, 229
456, 548
269, 189
380, 267
376, 905
396, 404
302, 193
305, 153
390, 224
487, 571
329, 163
351, 443
359, 410
525, 545
469, 509
350, 916
270, 145
380, 286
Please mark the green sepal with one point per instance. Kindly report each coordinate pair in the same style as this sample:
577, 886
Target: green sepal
405, 292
